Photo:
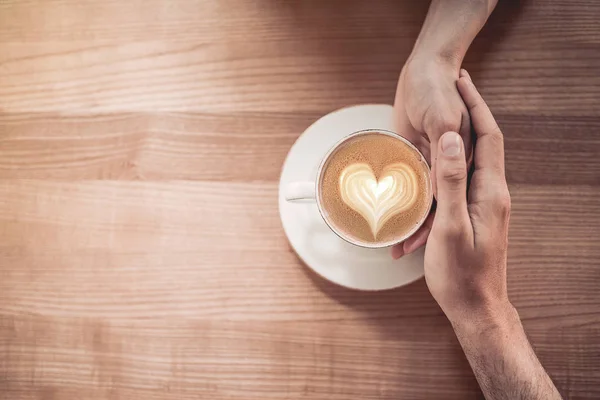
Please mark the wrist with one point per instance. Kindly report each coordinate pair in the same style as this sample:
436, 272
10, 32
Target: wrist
441, 57
499, 317
449, 29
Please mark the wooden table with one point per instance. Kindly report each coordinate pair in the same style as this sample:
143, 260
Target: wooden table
141, 252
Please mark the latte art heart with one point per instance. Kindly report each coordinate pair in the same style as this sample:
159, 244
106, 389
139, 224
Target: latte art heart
378, 200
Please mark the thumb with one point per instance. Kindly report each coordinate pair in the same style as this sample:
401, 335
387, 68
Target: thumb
451, 174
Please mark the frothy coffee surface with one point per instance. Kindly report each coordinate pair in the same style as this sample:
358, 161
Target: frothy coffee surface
375, 189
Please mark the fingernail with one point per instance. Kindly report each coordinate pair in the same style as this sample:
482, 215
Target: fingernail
451, 144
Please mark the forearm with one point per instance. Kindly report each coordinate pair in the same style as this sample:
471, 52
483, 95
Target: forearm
502, 359
450, 27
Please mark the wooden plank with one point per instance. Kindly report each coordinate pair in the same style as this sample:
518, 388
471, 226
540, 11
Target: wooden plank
296, 69
213, 147
248, 147
198, 249
532, 22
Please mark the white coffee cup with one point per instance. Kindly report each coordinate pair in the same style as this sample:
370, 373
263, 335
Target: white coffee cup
310, 191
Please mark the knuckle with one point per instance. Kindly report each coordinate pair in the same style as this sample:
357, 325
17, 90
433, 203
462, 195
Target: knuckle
476, 106
502, 201
455, 174
495, 136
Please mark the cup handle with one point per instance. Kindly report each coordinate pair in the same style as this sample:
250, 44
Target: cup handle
300, 192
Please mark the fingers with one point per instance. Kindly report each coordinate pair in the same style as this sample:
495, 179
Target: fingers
489, 192
397, 251
465, 134
465, 73
420, 237
414, 242
451, 116
489, 152
451, 170
435, 130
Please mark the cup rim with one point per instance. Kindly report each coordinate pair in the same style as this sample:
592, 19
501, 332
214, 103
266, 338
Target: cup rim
320, 177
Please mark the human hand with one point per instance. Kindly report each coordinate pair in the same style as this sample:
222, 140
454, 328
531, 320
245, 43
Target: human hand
465, 256
427, 105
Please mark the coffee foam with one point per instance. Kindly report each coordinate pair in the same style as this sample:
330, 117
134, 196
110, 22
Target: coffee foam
375, 189
378, 200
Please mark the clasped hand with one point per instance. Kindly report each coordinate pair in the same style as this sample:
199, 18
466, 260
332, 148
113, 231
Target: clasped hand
465, 256
427, 105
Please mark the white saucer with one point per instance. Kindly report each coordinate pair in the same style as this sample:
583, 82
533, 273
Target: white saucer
321, 249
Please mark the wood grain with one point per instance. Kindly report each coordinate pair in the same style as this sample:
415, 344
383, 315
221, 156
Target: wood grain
106, 66
163, 146
141, 253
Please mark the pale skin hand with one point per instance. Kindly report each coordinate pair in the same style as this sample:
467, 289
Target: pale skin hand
427, 102
465, 261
